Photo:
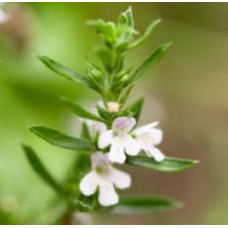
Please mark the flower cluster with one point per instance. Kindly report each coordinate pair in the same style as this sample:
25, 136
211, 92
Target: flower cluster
122, 140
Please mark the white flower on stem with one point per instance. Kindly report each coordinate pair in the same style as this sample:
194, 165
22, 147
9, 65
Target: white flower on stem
122, 143
104, 178
120, 140
148, 137
3, 14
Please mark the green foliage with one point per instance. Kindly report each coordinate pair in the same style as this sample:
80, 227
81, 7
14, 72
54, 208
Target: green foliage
58, 139
39, 168
167, 165
145, 204
111, 80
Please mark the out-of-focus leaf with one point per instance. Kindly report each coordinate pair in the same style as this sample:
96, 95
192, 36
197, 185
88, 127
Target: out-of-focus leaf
39, 168
146, 34
145, 204
61, 140
66, 72
167, 165
151, 60
134, 109
81, 112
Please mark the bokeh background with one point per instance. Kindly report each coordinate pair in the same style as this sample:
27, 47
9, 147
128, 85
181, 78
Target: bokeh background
187, 92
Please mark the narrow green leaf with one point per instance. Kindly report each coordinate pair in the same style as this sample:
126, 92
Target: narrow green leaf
66, 72
125, 94
134, 109
61, 140
39, 168
167, 165
151, 60
145, 204
81, 112
146, 34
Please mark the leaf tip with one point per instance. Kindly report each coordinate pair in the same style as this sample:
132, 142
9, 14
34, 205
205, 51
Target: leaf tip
196, 162
41, 57
24, 146
157, 21
167, 45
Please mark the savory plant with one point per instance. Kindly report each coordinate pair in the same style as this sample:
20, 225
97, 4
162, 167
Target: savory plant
111, 136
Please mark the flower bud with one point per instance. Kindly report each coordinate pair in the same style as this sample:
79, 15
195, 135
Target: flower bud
113, 107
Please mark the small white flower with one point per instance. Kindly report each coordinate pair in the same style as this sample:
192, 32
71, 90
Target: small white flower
104, 177
120, 140
148, 137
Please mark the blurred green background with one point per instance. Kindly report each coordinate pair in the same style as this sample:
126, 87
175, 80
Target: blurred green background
187, 92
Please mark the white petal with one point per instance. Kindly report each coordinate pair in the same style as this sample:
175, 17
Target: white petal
123, 124
105, 139
145, 128
121, 179
157, 154
156, 135
132, 147
107, 195
117, 154
88, 184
